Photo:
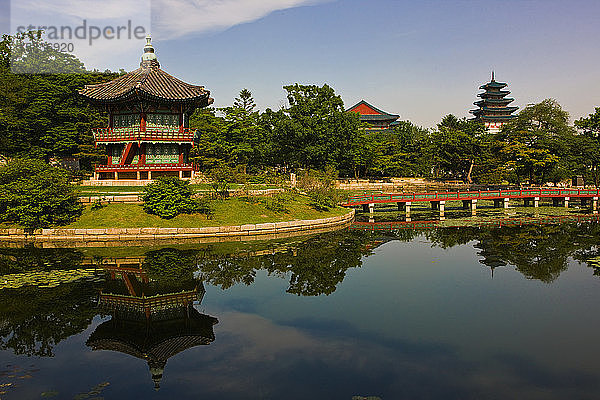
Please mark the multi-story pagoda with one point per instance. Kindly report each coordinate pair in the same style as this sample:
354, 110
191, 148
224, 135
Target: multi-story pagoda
493, 107
373, 116
148, 133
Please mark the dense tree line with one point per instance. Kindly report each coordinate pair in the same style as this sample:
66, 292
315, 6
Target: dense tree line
538, 146
42, 116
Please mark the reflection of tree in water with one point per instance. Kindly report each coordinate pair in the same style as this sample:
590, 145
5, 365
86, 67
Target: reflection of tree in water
30, 258
320, 264
537, 251
32, 319
315, 266
169, 269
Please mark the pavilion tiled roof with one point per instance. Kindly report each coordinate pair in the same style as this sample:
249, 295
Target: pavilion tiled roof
377, 115
150, 82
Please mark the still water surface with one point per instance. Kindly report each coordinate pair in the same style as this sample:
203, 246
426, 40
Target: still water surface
454, 313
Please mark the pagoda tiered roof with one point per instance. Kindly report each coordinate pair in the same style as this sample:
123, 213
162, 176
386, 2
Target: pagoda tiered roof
496, 109
493, 106
495, 93
493, 85
504, 101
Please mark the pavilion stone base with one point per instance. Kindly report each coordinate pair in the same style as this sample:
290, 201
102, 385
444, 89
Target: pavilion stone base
115, 182
133, 178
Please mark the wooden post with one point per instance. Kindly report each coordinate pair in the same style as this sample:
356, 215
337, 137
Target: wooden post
506, 200
180, 149
567, 202
407, 208
473, 207
442, 206
371, 208
595, 205
536, 202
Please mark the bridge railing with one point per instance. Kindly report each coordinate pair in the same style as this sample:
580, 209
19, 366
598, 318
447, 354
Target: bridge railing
547, 220
470, 195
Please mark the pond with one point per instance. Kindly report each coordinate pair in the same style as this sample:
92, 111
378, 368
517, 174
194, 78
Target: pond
417, 313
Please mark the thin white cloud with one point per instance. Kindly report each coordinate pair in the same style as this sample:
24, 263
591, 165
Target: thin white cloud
66, 10
176, 18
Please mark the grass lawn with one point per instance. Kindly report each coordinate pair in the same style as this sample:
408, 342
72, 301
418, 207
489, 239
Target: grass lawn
232, 211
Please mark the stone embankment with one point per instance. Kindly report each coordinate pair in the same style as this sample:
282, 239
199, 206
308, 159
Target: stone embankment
100, 237
401, 185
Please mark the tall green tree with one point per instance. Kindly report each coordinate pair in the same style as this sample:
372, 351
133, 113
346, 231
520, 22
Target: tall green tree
35, 195
456, 147
245, 101
401, 151
31, 54
538, 145
589, 145
42, 115
316, 131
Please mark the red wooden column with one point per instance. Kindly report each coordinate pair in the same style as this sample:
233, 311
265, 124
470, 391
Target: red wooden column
142, 154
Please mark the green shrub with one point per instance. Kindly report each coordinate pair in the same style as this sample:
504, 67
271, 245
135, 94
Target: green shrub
277, 202
267, 177
168, 197
220, 180
36, 195
323, 198
97, 205
320, 187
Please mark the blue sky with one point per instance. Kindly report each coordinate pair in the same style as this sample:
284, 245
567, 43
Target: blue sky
419, 59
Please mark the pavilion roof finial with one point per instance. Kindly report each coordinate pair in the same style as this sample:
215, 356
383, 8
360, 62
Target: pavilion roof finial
492, 75
149, 57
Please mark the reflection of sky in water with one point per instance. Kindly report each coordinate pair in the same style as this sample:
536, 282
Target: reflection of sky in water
409, 318
413, 322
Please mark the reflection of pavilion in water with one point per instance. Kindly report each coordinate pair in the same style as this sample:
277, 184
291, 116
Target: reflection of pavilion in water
150, 321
